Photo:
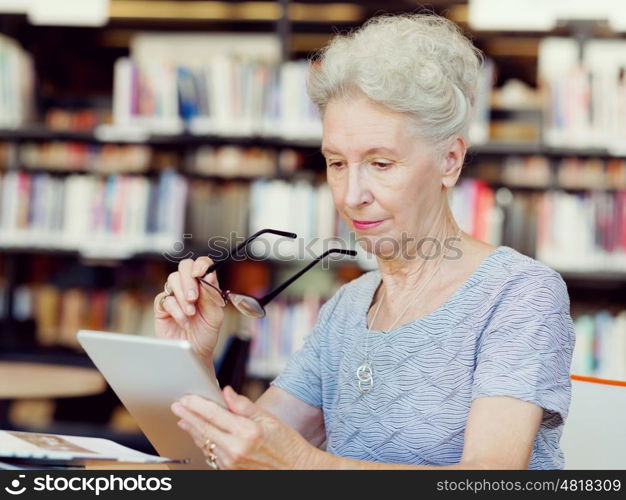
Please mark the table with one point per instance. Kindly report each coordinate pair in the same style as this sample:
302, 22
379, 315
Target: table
33, 380
28, 380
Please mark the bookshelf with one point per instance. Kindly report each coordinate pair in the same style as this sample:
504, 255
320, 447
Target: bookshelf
85, 77
503, 149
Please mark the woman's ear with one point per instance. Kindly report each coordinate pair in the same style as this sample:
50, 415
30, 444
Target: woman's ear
453, 162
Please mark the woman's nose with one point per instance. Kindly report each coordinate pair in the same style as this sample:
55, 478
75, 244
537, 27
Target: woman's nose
357, 192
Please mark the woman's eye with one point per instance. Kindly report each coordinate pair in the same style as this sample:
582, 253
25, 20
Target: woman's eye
335, 164
381, 164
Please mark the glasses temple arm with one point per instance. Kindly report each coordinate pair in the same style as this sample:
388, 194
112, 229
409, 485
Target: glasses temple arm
241, 246
270, 296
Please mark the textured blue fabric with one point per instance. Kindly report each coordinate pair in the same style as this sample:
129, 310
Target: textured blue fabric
507, 331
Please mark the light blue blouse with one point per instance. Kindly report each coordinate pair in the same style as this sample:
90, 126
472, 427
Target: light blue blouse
507, 331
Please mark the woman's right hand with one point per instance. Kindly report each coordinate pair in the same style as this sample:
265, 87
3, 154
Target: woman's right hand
189, 313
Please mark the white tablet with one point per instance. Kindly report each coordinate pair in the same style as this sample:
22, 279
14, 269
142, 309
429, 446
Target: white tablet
148, 374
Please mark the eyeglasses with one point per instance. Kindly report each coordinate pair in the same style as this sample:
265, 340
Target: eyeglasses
248, 305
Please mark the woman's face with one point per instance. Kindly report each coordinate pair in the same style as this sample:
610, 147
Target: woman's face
379, 173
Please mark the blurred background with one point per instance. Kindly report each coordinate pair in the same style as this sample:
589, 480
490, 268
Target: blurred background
133, 131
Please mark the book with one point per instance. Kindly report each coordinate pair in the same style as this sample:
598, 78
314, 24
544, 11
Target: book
17, 95
582, 231
479, 127
42, 448
70, 156
600, 349
475, 207
568, 213
280, 334
228, 85
209, 83
114, 216
584, 94
232, 161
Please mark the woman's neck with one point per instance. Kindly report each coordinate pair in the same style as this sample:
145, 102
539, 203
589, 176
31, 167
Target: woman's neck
432, 253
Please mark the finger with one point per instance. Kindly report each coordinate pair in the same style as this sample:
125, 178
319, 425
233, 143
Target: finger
158, 307
197, 407
189, 284
200, 266
239, 404
209, 296
171, 307
211, 278
222, 442
199, 436
176, 286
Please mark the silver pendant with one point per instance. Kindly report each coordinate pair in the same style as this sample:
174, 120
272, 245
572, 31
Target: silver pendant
364, 375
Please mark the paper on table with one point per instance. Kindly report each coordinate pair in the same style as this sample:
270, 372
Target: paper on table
40, 446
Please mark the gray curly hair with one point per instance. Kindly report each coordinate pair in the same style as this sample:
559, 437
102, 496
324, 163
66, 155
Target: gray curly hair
419, 64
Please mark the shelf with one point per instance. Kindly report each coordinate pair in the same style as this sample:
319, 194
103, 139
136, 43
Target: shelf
39, 133
196, 252
574, 278
617, 276
555, 187
52, 355
190, 175
43, 134
332, 12
75, 253
310, 174
510, 149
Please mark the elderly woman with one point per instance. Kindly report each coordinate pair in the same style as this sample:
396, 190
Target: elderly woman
451, 354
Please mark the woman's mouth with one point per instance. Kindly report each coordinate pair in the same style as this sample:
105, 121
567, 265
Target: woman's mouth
366, 224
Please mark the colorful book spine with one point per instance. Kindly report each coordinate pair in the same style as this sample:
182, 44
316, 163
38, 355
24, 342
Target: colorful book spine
233, 89
600, 349
280, 334
110, 216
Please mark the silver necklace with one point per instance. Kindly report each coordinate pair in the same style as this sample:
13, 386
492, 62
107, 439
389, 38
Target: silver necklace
365, 371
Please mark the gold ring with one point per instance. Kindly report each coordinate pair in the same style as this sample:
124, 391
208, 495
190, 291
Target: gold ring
211, 461
160, 303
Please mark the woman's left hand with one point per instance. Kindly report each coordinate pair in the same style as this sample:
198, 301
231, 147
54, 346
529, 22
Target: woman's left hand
245, 435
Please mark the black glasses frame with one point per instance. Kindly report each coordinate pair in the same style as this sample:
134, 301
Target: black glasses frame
262, 301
